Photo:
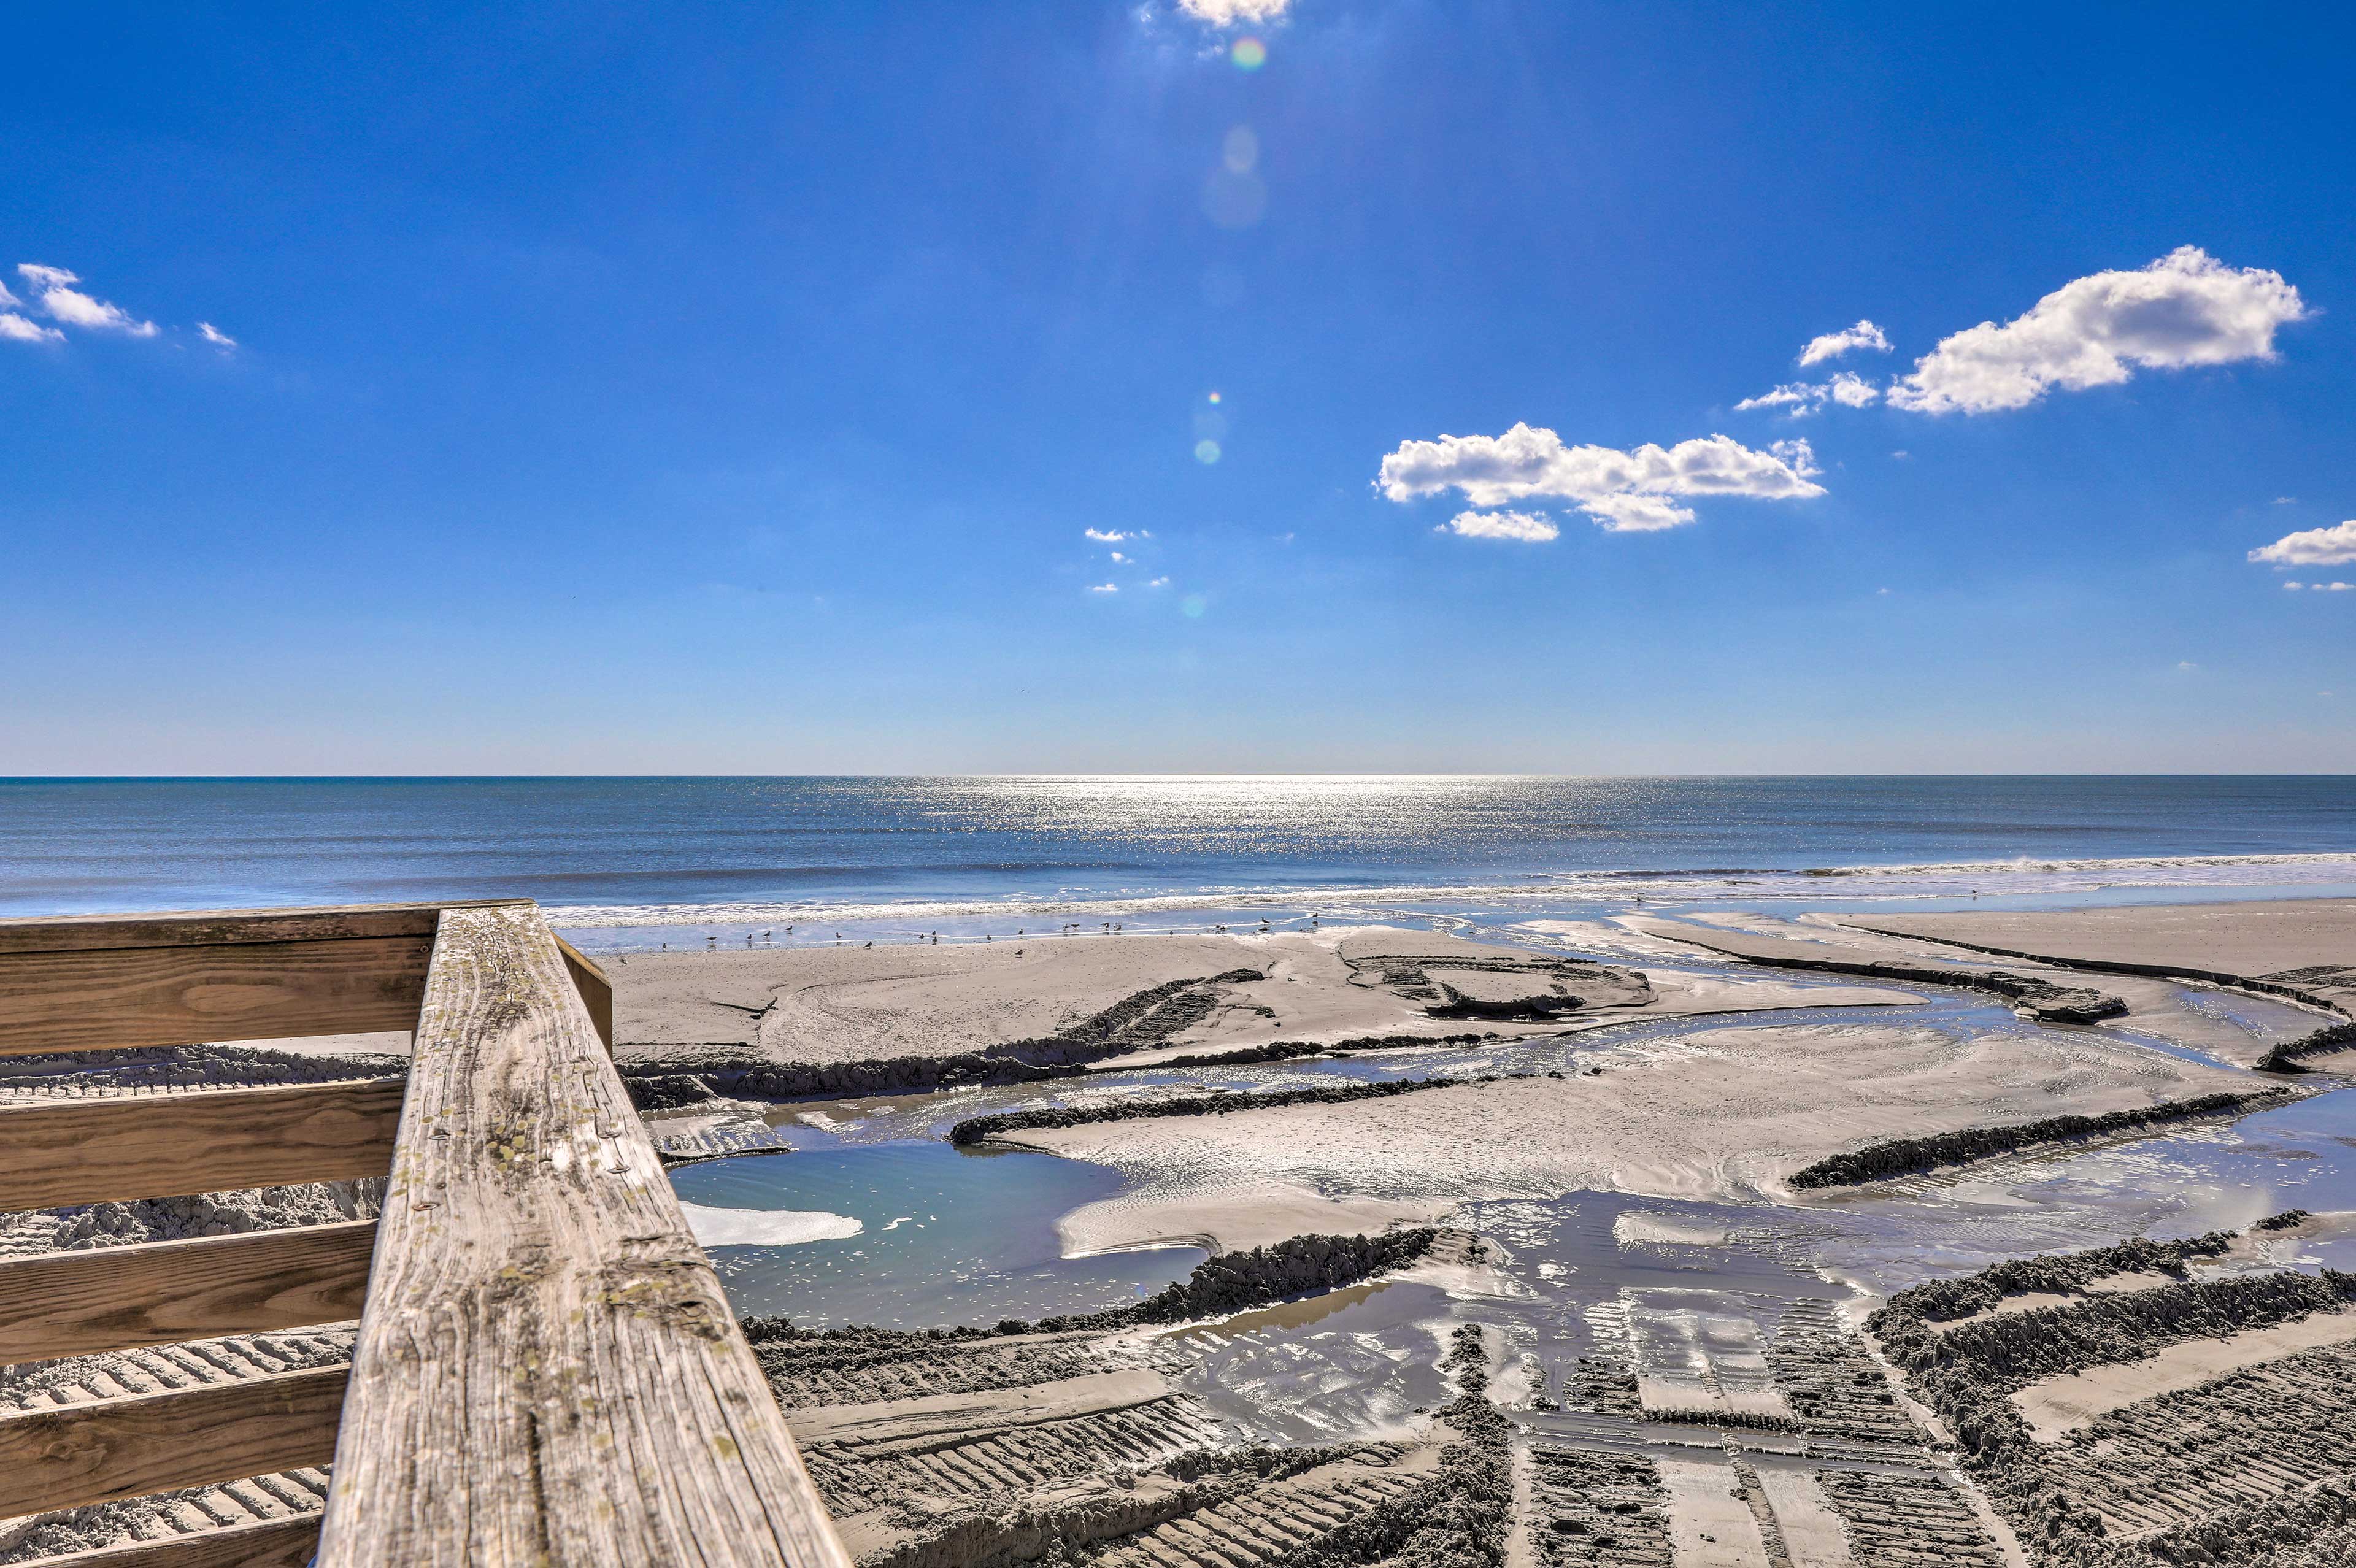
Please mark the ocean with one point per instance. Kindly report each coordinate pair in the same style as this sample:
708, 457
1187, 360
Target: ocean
636, 860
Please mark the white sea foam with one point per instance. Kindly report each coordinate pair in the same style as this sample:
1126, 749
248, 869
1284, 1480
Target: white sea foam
1956, 878
767, 1227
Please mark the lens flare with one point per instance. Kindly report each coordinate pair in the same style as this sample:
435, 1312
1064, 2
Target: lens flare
1207, 452
1214, 397
1232, 200
1194, 604
1240, 150
1249, 54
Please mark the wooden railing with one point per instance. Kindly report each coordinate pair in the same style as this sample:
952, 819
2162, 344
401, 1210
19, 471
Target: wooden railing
546, 1371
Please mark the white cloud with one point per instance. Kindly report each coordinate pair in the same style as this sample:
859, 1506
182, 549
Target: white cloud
215, 335
1637, 514
1118, 556
2324, 588
1797, 396
1832, 345
1623, 491
1158, 582
2186, 665
19, 329
1104, 588
1107, 536
2185, 309
52, 291
1530, 527
2333, 546
1847, 388
1851, 390
1228, 12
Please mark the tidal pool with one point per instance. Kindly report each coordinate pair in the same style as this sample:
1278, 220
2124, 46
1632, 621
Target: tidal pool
946, 1236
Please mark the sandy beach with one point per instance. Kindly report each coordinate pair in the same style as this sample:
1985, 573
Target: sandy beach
846, 1004
1682, 1070
1726, 1113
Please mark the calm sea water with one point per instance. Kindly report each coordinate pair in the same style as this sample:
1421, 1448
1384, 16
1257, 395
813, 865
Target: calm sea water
637, 852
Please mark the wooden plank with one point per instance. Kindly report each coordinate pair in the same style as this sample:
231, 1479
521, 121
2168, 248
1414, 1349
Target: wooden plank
75, 1454
263, 1543
117, 1299
547, 1370
597, 990
189, 928
214, 1140
103, 998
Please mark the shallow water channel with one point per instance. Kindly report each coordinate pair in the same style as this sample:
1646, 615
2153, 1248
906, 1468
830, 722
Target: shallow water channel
949, 1236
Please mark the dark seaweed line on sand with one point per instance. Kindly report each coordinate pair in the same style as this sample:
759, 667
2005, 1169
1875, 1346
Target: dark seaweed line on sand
2053, 1003
1230, 1281
2282, 1058
662, 1084
1899, 1157
1968, 1372
1137, 1021
975, 1129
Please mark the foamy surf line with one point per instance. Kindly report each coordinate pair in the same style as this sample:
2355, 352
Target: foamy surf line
1957, 878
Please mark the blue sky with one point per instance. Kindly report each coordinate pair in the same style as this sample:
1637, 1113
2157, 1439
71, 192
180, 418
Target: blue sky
734, 388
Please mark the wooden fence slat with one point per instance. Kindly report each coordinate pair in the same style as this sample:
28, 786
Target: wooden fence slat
264, 1543
188, 928
213, 1140
597, 990
547, 1370
75, 1454
118, 1298
100, 998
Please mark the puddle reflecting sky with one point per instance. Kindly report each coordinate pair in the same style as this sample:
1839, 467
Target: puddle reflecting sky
949, 1236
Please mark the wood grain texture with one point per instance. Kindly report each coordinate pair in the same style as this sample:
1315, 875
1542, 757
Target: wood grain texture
213, 1140
118, 1298
98, 999
264, 1543
75, 1454
596, 991
187, 928
547, 1371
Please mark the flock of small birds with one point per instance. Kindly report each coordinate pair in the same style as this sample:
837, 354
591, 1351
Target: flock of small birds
1110, 927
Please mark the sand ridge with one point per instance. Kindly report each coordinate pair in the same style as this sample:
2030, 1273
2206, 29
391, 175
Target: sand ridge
1723, 1113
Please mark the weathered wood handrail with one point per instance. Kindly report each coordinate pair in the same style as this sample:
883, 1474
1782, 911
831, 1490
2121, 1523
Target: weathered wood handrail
99, 982
546, 1368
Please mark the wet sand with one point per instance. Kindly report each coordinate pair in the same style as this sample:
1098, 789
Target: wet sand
2253, 940
2057, 1406
1721, 1113
2219, 1021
